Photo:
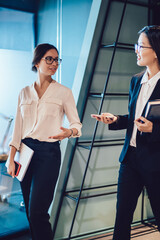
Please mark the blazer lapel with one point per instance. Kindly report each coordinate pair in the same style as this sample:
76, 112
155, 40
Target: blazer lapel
156, 92
135, 96
155, 95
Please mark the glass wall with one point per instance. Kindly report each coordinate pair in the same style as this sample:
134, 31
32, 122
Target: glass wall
63, 24
16, 46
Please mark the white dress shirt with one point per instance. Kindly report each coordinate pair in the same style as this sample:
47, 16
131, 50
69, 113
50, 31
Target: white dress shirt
144, 95
40, 118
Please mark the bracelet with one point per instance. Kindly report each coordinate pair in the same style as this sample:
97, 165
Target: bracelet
71, 133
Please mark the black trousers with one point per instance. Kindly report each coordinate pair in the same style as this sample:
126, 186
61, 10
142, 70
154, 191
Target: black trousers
38, 186
132, 179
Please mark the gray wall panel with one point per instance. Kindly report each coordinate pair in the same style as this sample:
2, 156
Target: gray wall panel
98, 213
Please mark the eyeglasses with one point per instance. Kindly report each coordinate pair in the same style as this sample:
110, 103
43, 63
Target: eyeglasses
49, 60
139, 47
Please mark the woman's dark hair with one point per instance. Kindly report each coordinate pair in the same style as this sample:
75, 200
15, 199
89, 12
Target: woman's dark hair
39, 52
153, 35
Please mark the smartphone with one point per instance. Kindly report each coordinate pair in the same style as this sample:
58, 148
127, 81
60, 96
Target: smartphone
95, 115
99, 116
17, 168
140, 121
111, 118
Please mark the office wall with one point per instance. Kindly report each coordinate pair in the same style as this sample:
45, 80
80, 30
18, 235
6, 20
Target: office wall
63, 23
16, 46
98, 213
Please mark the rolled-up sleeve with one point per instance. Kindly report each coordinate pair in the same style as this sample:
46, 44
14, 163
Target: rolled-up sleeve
17, 131
72, 114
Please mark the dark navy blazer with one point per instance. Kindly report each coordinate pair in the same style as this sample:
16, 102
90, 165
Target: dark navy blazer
148, 144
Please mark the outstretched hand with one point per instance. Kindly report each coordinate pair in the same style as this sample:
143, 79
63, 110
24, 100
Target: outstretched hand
106, 118
64, 134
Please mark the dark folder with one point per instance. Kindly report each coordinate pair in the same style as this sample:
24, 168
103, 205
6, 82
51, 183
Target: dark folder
23, 157
153, 110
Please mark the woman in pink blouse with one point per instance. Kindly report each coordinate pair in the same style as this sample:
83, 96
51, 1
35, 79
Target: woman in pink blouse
38, 124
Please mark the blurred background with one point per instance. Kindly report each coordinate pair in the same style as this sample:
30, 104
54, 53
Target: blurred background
95, 39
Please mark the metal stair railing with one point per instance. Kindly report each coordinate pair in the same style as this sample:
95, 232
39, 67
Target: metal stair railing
89, 145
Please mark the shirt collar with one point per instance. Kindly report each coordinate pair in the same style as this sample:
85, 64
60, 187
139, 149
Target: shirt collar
151, 81
34, 91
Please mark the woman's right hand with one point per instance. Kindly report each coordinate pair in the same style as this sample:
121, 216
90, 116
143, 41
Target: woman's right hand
106, 118
11, 168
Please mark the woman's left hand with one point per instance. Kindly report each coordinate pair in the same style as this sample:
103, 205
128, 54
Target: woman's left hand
64, 134
144, 125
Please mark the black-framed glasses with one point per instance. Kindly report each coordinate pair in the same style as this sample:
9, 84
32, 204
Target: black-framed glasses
138, 47
49, 60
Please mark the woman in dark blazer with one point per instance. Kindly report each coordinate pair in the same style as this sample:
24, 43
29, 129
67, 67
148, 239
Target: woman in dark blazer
140, 157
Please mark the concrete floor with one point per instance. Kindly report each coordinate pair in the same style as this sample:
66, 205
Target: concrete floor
10, 209
139, 232
26, 237
12, 213
152, 236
